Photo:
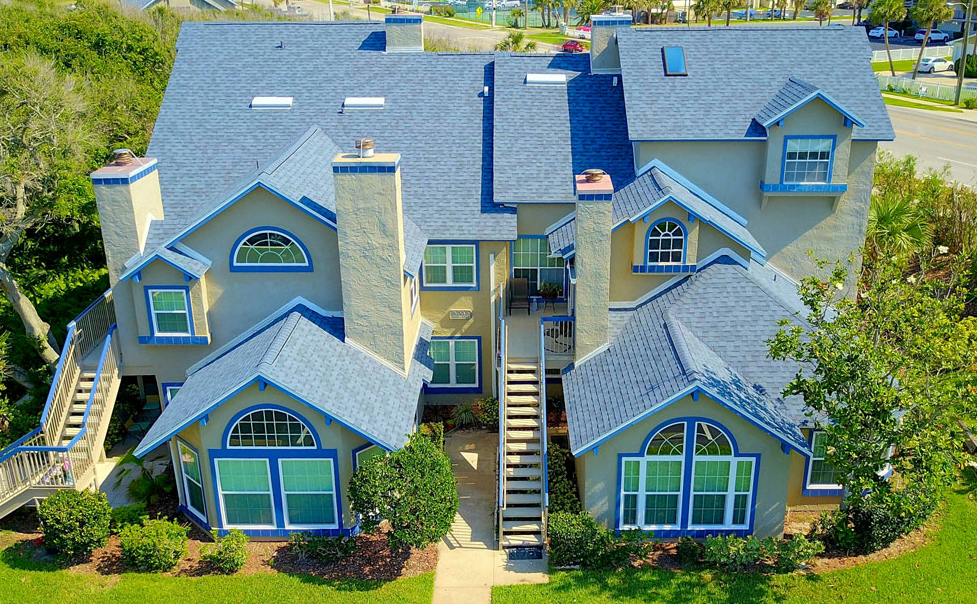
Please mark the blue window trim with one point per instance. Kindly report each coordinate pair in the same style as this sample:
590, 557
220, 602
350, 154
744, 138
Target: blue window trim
453, 288
831, 159
686, 495
185, 504
357, 450
477, 389
153, 338
165, 386
685, 245
269, 268
806, 489
240, 414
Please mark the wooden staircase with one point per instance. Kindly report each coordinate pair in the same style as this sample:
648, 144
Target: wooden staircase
522, 503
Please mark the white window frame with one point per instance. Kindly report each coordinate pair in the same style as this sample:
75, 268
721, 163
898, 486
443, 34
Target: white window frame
538, 269
808, 140
294, 241
186, 311
452, 363
291, 416
168, 392
415, 295
284, 494
221, 492
682, 236
642, 481
810, 466
449, 265
180, 446
730, 492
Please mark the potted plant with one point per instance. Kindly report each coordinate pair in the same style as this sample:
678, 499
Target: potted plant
549, 291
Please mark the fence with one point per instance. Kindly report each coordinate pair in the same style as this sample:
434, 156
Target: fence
910, 54
923, 89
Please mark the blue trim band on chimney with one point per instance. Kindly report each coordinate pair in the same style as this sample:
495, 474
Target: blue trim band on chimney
363, 169
146, 171
403, 18
594, 197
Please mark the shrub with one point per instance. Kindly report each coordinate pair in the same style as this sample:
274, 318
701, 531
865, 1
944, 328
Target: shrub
487, 413
228, 553
125, 515
413, 489
792, 553
867, 526
576, 539
971, 66
465, 416
736, 554
156, 546
323, 548
75, 523
563, 489
687, 550
449, 11
970, 103
435, 432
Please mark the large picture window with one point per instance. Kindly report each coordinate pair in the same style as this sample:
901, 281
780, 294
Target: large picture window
807, 160
455, 363
308, 492
450, 265
193, 490
245, 491
531, 261
169, 311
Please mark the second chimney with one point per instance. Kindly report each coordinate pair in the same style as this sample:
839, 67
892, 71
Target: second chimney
404, 32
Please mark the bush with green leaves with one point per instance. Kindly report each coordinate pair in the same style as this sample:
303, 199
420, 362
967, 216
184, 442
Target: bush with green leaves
465, 416
126, 515
864, 527
435, 432
229, 553
687, 550
154, 546
577, 540
323, 548
562, 487
736, 554
75, 523
970, 102
971, 66
791, 553
412, 488
487, 413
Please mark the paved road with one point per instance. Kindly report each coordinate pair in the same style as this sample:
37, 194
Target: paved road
936, 139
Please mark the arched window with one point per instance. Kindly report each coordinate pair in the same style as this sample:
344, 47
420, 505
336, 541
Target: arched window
721, 482
268, 249
666, 243
270, 428
653, 485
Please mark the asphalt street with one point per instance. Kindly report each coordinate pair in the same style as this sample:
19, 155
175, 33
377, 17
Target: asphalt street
937, 139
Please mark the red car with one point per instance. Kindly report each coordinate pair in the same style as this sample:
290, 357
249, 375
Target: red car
573, 46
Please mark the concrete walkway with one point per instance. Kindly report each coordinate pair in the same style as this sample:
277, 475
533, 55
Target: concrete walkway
468, 564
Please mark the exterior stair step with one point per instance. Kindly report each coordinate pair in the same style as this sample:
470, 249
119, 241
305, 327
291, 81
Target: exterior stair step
523, 473
521, 410
527, 422
525, 498
522, 459
523, 512
517, 447
522, 526
522, 367
522, 434
78, 408
521, 378
521, 389
523, 485
72, 432
81, 396
75, 420
521, 399
522, 541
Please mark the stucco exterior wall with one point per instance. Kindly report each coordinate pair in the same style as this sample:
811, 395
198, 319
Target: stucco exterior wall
815, 118
534, 218
639, 232
593, 262
124, 213
598, 474
159, 273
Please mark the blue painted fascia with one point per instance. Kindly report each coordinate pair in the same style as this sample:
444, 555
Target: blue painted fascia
134, 271
814, 95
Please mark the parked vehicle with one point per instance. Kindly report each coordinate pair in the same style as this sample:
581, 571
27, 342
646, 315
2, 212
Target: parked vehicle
847, 6
934, 64
583, 32
741, 14
772, 14
573, 46
936, 36
877, 33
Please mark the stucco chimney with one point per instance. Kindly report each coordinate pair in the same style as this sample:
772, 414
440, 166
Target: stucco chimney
369, 214
128, 198
404, 32
604, 55
592, 245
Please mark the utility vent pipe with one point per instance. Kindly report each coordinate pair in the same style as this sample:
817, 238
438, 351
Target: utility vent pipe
364, 146
123, 157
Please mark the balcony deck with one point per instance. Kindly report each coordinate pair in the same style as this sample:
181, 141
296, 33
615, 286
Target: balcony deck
523, 336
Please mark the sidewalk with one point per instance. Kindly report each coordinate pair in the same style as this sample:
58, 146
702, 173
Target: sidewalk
468, 564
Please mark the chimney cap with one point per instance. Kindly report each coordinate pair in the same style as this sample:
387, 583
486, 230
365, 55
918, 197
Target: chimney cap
123, 157
594, 174
364, 146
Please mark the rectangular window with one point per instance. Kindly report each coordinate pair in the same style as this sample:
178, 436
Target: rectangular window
674, 58
531, 261
741, 492
192, 483
455, 362
807, 160
245, 491
710, 483
308, 492
820, 473
632, 470
663, 482
449, 265
169, 391
169, 310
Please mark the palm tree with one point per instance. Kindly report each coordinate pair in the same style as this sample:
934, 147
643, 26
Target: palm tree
662, 6
782, 7
856, 9
706, 8
822, 11
929, 12
516, 14
883, 12
797, 5
589, 8
568, 5
516, 42
727, 7
895, 227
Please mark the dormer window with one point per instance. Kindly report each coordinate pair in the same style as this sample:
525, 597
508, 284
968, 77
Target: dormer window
666, 243
268, 250
807, 159
674, 59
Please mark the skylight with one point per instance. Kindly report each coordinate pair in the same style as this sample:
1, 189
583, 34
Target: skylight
546, 79
271, 102
363, 102
674, 59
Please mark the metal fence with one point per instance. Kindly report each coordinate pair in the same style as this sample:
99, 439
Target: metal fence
923, 89
910, 54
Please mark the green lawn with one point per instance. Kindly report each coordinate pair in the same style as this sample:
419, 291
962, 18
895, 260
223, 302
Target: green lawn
27, 582
554, 38
899, 65
900, 102
457, 22
943, 571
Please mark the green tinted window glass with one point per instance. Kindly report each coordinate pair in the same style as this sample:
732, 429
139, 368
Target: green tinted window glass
631, 475
661, 509
307, 475
711, 476
630, 509
708, 509
663, 476
744, 476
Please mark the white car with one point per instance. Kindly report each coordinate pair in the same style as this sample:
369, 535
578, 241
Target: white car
936, 36
934, 64
877, 33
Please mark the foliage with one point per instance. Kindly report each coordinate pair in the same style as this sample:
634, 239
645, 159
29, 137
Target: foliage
516, 41
896, 227
154, 546
128, 404
970, 102
465, 416
926, 13
126, 515
588, 8
74, 523
413, 489
866, 527
884, 12
822, 10
890, 373
146, 487
443, 10
435, 432
794, 552
738, 554
971, 65
688, 550
439, 44
229, 553
562, 488
487, 413
577, 540
323, 548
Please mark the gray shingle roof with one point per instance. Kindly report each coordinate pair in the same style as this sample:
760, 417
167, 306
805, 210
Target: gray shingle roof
709, 330
208, 139
726, 86
793, 92
414, 243
305, 353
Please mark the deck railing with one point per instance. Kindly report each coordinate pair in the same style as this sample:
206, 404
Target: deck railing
543, 444
503, 361
556, 336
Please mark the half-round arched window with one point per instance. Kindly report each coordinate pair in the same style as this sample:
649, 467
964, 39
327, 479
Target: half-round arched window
666, 243
269, 249
270, 428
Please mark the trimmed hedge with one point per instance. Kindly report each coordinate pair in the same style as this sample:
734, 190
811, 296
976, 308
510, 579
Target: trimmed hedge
229, 553
75, 523
156, 546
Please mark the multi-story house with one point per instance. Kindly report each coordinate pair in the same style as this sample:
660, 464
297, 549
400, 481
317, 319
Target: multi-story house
334, 229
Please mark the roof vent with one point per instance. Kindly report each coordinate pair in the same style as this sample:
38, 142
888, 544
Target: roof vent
271, 102
594, 174
364, 146
123, 157
363, 102
546, 79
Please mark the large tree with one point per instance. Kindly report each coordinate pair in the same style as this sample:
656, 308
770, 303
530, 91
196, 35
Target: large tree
929, 12
884, 12
43, 140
